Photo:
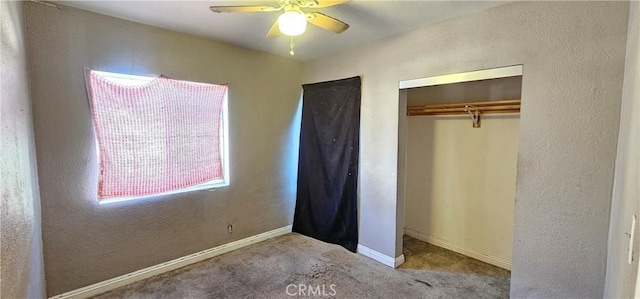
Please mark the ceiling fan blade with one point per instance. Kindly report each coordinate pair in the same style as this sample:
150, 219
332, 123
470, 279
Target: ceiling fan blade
274, 31
243, 8
325, 3
326, 22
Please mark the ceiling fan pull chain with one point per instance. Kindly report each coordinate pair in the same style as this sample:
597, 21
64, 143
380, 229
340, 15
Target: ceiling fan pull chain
291, 47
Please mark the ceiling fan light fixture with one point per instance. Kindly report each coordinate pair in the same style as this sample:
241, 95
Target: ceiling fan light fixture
292, 23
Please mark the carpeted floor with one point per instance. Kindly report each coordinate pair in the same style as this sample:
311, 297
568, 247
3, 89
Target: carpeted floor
296, 266
421, 255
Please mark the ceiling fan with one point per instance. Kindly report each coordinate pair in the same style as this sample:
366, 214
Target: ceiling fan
293, 21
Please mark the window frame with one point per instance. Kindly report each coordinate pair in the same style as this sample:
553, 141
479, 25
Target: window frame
133, 80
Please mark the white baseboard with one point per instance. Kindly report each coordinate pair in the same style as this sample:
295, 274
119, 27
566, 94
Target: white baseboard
145, 273
382, 258
496, 261
399, 260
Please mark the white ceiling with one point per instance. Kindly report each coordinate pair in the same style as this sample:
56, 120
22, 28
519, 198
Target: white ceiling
369, 20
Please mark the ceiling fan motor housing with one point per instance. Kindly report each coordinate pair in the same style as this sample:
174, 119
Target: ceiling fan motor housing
299, 3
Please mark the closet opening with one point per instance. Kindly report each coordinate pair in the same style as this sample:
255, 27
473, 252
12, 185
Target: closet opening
457, 165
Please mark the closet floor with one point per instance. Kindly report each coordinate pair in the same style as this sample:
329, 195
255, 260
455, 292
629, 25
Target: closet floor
425, 256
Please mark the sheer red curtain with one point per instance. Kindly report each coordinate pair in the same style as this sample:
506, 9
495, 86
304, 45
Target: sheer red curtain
158, 137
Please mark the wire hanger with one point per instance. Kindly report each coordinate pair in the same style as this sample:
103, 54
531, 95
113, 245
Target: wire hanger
475, 115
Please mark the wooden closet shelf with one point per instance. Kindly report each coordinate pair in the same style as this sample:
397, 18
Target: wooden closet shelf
489, 107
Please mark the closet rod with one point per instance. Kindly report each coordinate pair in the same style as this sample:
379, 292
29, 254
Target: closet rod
462, 113
488, 107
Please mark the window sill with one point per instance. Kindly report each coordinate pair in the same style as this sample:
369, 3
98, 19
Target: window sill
212, 186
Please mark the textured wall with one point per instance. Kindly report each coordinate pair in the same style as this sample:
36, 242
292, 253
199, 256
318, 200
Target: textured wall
626, 187
21, 266
573, 57
85, 242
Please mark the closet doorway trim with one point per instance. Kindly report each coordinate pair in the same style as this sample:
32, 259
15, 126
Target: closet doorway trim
495, 73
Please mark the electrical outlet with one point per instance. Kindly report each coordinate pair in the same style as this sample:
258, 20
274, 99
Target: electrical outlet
230, 229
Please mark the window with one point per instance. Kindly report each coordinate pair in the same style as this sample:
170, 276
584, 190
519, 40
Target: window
157, 136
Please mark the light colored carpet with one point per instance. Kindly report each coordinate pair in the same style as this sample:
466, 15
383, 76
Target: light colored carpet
421, 255
297, 266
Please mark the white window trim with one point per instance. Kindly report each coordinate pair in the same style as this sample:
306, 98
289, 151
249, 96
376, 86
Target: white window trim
134, 80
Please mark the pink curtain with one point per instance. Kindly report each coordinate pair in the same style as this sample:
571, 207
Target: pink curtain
157, 137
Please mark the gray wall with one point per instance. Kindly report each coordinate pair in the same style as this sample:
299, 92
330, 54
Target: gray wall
573, 57
85, 242
21, 265
621, 276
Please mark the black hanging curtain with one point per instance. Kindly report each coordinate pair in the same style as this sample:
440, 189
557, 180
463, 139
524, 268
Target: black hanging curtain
326, 203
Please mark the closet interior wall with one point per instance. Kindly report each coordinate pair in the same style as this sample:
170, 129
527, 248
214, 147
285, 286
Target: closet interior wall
460, 180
